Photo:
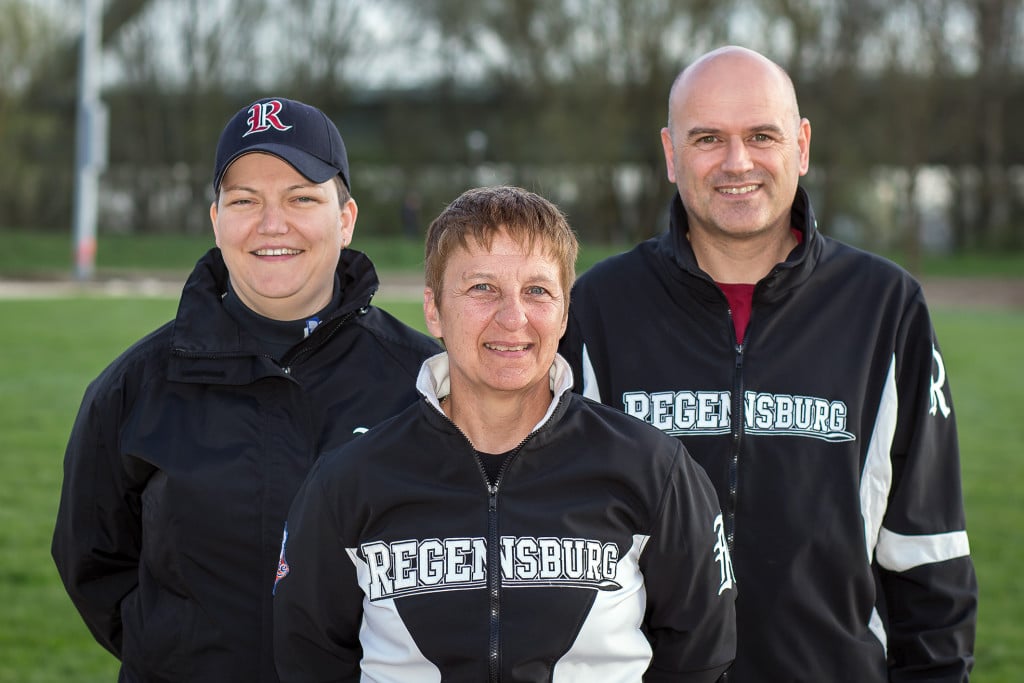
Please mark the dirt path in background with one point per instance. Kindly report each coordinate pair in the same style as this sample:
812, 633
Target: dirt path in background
996, 293
393, 286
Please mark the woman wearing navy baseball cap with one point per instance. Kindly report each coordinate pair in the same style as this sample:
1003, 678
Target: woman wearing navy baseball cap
188, 448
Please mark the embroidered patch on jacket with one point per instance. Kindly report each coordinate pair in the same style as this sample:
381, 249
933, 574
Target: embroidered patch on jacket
282, 563
722, 557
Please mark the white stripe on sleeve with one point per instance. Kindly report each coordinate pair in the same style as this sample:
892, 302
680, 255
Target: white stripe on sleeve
899, 553
590, 388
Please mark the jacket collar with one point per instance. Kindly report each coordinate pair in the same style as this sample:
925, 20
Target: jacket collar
434, 383
784, 276
202, 326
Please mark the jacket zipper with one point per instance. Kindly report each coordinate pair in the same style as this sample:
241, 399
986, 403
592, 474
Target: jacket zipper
493, 586
494, 561
737, 444
307, 349
493, 552
737, 428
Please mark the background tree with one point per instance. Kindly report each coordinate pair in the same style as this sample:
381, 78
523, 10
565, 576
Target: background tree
563, 96
40, 38
997, 25
583, 87
28, 183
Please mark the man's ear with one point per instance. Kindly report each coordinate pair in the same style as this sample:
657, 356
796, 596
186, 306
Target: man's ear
670, 157
804, 141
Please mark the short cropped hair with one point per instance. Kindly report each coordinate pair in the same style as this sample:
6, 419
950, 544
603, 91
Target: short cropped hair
481, 213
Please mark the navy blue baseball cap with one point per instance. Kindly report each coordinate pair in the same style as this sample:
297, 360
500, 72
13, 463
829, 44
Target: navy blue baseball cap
297, 133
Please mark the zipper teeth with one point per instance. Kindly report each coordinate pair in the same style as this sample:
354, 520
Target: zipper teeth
493, 586
494, 561
323, 339
737, 442
737, 426
493, 554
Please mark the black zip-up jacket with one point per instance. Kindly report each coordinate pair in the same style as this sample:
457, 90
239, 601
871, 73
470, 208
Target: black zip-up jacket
184, 458
828, 433
596, 555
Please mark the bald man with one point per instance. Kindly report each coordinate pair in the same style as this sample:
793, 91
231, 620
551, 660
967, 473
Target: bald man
806, 378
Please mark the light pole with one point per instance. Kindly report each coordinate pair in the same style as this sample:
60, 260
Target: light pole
90, 139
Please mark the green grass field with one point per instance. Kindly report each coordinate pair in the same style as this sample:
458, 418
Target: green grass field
34, 255
39, 254
53, 348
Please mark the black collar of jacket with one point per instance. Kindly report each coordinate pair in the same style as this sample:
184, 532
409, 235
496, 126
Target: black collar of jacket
782, 278
208, 345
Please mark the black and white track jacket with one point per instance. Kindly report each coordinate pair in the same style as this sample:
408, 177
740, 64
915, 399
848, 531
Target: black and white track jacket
184, 458
828, 433
597, 555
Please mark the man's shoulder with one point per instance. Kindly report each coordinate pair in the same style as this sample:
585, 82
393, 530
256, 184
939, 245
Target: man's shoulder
615, 421
608, 272
858, 258
847, 264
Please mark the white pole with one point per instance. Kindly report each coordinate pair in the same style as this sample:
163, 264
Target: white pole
90, 152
